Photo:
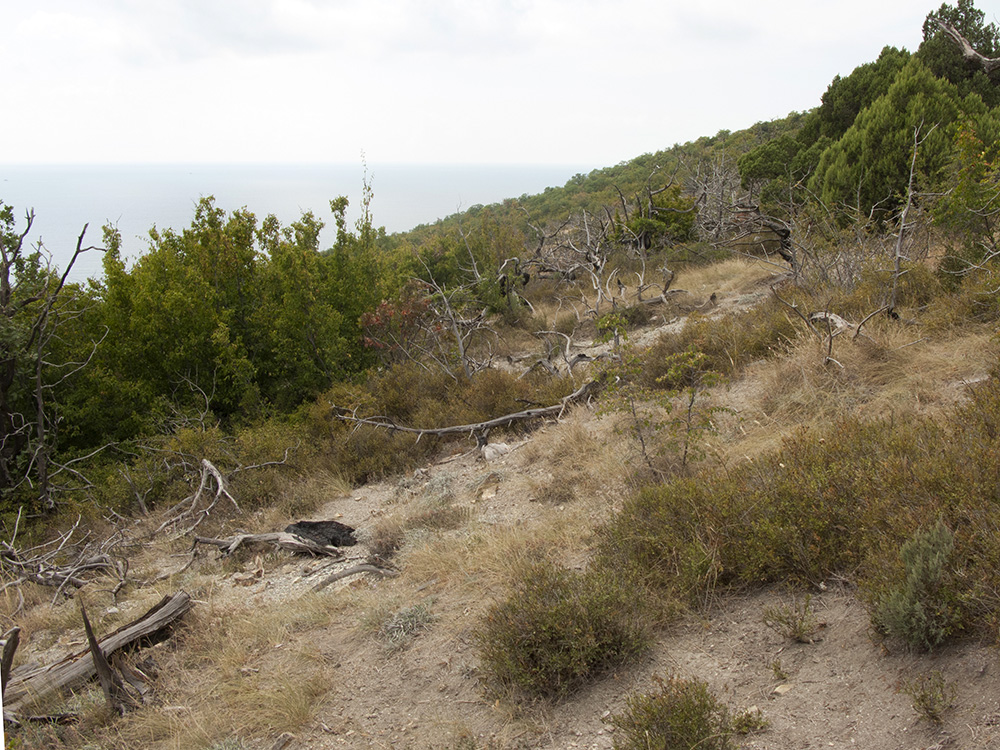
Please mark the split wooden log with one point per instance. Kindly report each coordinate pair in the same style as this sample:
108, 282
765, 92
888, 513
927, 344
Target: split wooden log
25, 689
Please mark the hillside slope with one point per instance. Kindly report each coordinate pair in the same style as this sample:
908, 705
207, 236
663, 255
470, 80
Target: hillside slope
262, 661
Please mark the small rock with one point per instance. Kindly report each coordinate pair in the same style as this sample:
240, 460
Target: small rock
493, 451
781, 689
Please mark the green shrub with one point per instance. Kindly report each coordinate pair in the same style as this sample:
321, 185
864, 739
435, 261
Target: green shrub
750, 721
399, 629
917, 286
729, 343
839, 501
931, 696
681, 715
918, 611
558, 629
797, 621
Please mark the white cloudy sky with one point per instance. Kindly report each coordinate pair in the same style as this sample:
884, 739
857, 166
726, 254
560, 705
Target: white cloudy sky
418, 81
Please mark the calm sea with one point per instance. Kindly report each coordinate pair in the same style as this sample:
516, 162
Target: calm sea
138, 197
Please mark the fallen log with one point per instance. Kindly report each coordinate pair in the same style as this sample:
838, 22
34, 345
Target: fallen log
281, 539
480, 430
74, 669
115, 694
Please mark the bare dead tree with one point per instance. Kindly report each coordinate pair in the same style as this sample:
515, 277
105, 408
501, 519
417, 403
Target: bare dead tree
750, 231
898, 256
34, 303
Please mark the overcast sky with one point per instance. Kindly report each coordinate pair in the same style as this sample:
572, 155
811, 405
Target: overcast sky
418, 81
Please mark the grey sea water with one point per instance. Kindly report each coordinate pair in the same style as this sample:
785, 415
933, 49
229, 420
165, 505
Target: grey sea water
137, 197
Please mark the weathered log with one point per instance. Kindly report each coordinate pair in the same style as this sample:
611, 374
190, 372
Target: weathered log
281, 539
76, 668
115, 694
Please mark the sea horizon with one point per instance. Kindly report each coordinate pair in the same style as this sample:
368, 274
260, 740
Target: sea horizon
137, 197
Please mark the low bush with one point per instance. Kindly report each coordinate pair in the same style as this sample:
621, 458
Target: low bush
919, 610
399, 629
682, 714
840, 501
558, 629
931, 696
729, 343
796, 621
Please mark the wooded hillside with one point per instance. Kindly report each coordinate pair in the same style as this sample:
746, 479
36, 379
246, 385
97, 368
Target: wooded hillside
236, 358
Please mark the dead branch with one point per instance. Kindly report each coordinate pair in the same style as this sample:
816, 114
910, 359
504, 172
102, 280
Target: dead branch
10, 641
988, 64
836, 324
58, 563
795, 309
384, 572
480, 430
280, 539
115, 694
868, 317
208, 471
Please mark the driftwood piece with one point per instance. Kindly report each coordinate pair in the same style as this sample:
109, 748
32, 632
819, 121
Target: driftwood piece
281, 539
384, 572
76, 668
481, 429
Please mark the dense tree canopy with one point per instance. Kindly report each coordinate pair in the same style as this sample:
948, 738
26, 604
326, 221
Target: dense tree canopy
869, 166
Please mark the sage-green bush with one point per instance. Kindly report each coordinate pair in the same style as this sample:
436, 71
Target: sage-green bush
919, 610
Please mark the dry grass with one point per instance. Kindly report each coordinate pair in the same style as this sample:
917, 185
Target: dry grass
300, 498
897, 371
238, 670
733, 276
233, 671
575, 454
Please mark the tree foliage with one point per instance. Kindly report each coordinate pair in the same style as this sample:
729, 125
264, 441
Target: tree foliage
868, 168
943, 58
